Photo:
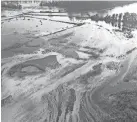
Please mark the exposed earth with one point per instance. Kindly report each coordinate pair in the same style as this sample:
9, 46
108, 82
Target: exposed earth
58, 68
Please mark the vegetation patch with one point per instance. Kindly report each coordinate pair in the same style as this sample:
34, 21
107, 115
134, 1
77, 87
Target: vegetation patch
124, 107
113, 65
10, 5
97, 70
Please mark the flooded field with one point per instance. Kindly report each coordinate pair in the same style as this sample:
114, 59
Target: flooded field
62, 64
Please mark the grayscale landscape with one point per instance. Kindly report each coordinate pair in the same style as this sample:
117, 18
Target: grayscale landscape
68, 61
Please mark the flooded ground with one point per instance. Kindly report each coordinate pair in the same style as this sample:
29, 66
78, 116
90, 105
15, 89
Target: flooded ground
63, 65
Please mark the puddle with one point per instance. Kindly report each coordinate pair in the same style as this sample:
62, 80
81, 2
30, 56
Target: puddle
49, 61
33, 67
